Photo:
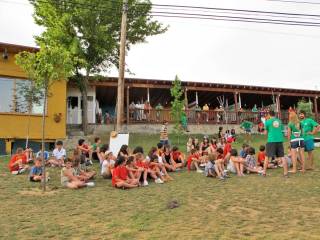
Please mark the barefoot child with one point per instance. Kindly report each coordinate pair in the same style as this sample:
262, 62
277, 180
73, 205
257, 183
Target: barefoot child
251, 163
212, 169
194, 161
236, 164
107, 165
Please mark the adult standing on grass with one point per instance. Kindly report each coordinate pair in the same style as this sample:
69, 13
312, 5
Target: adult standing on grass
296, 141
274, 147
164, 137
309, 129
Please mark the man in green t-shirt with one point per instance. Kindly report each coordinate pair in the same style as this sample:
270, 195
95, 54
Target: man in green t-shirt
309, 129
274, 147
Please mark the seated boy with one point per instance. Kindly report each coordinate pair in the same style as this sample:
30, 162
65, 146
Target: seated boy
18, 163
212, 169
58, 155
68, 179
81, 174
251, 163
85, 151
46, 154
107, 165
96, 148
36, 172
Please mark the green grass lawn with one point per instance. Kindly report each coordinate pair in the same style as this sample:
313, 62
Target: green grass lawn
251, 207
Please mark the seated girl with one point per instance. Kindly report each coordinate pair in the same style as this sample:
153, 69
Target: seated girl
194, 161
142, 163
68, 179
178, 159
235, 164
124, 151
251, 163
212, 169
134, 171
120, 178
107, 164
167, 160
213, 146
190, 145
18, 162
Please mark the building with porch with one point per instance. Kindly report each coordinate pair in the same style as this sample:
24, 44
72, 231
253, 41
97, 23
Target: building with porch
228, 104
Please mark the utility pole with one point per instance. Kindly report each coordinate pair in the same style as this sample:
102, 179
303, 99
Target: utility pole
120, 98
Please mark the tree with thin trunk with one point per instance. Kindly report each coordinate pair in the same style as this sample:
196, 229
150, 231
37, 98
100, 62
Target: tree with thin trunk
177, 106
47, 66
90, 31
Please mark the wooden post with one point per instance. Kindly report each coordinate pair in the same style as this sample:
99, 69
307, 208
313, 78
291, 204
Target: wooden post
128, 102
315, 105
236, 106
186, 98
278, 105
120, 96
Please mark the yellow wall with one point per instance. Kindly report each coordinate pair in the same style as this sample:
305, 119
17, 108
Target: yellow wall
14, 125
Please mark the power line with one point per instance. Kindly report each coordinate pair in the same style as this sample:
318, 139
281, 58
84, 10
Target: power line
234, 20
298, 2
232, 17
211, 17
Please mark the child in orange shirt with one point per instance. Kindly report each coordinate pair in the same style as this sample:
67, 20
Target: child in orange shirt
18, 163
120, 177
134, 171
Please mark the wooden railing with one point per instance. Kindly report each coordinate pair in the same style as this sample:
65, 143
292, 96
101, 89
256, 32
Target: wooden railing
200, 117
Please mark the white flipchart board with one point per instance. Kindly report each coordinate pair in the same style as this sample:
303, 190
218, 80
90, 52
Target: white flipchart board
116, 142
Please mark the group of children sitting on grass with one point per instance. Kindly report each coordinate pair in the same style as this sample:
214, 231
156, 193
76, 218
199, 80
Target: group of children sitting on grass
217, 157
130, 169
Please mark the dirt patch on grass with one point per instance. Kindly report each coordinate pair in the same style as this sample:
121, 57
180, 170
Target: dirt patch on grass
38, 192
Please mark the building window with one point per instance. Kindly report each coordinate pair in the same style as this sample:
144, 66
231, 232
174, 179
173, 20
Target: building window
15, 98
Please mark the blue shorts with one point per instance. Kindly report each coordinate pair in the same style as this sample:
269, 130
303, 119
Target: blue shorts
297, 144
309, 145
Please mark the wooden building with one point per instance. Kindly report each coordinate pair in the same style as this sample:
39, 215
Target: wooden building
239, 100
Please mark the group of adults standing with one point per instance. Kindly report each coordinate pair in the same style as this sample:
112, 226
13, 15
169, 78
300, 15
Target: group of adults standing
301, 131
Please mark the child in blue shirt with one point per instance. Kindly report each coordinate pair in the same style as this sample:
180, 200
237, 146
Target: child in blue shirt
36, 171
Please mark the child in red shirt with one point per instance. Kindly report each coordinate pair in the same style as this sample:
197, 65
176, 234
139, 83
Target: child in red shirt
177, 158
226, 150
18, 162
120, 175
194, 161
261, 156
141, 163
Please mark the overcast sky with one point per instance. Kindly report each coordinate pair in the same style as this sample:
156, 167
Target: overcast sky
209, 51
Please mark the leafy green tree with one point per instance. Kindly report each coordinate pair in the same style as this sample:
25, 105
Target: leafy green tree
90, 31
306, 106
177, 106
52, 63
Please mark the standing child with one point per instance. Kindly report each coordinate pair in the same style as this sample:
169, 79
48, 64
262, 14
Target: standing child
18, 163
